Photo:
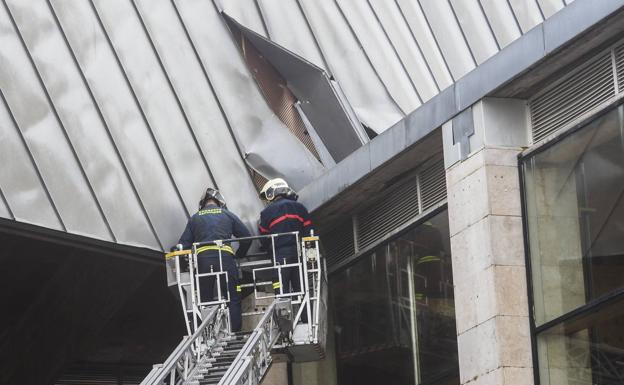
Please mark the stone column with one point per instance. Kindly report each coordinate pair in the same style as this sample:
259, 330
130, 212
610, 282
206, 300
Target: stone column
481, 147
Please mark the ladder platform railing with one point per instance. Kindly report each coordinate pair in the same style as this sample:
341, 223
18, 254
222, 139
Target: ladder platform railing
201, 355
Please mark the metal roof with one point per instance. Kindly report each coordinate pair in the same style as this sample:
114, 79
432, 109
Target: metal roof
116, 114
391, 56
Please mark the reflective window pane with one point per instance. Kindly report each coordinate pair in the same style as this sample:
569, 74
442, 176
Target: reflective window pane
394, 311
575, 212
588, 350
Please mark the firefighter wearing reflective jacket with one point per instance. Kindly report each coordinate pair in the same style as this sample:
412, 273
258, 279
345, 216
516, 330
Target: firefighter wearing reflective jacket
282, 215
213, 221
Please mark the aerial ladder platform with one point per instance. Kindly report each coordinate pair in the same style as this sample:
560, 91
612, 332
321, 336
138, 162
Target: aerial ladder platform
211, 353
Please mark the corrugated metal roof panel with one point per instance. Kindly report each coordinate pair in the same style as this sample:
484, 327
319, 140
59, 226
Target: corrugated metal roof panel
118, 114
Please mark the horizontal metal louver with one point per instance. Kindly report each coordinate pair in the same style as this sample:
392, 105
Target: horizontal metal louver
619, 66
338, 243
433, 185
398, 207
572, 97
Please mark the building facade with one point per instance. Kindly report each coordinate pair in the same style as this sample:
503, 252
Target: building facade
463, 162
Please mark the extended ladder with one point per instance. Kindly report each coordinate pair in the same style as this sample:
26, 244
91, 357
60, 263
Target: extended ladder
211, 353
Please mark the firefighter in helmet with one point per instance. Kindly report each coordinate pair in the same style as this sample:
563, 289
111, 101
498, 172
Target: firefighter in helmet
212, 222
283, 214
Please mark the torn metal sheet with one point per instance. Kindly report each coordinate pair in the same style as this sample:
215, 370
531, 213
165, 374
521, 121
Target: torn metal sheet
201, 107
321, 105
267, 144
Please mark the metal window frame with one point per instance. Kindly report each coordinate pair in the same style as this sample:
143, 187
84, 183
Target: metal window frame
595, 304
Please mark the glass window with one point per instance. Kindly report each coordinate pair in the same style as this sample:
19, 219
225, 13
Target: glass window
394, 311
586, 350
575, 214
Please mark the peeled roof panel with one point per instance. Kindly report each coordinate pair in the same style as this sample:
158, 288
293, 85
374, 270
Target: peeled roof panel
93, 147
202, 109
268, 145
124, 119
502, 20
448, 36
406, 47
317, 99
475, 28
369, 99
288, 28
384, 59
60, 170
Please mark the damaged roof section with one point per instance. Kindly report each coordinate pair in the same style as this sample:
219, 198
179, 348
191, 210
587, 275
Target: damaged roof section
317, 96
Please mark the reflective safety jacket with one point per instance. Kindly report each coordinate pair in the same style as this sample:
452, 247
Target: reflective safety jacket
212, 223
282, 216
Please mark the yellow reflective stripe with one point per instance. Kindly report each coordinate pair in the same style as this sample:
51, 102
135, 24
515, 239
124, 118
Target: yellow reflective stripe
209, 211
238, 288
222, 248
276, 285
429, 258
310, 239
419, 295
177, 252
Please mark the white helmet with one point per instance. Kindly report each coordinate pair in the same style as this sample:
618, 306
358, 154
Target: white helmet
277, 187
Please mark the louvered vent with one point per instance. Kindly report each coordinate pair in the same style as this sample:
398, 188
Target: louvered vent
572, 97
338, 243
619, 65
398, 206
433, 185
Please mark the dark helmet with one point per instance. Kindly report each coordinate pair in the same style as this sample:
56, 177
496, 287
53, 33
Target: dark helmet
275, 188
213, 194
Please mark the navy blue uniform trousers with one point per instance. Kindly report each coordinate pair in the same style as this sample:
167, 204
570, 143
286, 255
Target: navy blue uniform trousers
207, 286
